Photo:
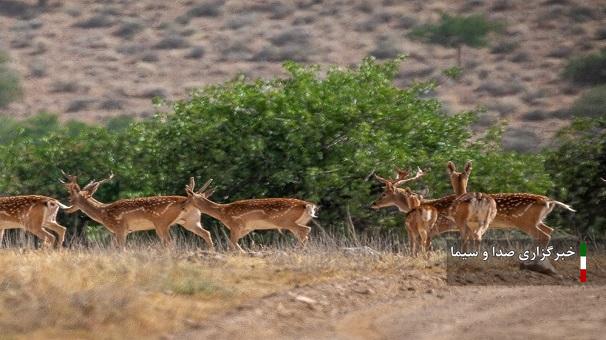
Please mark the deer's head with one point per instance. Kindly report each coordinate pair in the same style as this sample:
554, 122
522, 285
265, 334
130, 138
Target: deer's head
199, 198
78, 195
459, 179
394, 196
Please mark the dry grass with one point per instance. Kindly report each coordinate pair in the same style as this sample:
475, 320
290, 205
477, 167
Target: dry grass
150, 291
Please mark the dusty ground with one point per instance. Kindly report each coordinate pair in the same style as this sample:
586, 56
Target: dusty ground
89, 60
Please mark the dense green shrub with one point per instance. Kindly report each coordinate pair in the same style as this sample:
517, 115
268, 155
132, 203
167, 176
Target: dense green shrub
587, 70
576, 167
456, 31
591, 104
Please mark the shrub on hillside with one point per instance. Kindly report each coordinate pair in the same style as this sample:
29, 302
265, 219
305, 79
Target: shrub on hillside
457, 31
386, 48
591, 104
587, 70
173, 41
10, 85
95, 21
128, 29
521, 140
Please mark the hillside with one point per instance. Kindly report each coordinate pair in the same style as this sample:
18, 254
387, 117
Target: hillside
88, 60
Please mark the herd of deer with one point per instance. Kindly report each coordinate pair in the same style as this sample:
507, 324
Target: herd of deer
37, 214
470, 213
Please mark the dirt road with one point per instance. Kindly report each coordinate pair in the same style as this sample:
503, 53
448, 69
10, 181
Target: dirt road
485, 313
417, 305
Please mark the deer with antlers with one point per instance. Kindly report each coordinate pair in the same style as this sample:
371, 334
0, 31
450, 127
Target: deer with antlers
424, 218
145, 213
521, 211
36, 214
473, 212
242, 217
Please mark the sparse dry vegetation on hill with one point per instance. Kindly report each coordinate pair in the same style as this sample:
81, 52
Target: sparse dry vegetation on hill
177, 46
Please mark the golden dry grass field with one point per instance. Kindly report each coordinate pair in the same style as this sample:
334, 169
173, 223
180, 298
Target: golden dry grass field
149, 291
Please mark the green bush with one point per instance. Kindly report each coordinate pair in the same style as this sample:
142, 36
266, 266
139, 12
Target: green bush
591, 104
456, 31
576, 167
587, 70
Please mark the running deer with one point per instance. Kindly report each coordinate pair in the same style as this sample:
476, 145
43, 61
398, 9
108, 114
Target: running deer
521, 211
34, 213
473, 212
145, 213
242, 217
421, 215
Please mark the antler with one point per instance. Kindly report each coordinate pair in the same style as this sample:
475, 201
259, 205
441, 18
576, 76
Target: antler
381, 179
97, 183
109, 178
70, 178
603, 179
420, 173
204, 186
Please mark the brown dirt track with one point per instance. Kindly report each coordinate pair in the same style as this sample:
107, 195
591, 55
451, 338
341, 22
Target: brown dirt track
417, 303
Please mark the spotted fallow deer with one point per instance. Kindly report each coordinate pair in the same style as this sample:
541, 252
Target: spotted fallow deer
422, 215
34, 213
145, 213
242, 217
521, 211
473, 212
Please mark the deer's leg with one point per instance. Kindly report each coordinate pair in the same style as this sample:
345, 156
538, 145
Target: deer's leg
463, 235
423, 236
163, 232
545, 228
301, 232
1, 237
120, 234
47, 238
59, 229
235, 233
196, 228
34, 226
411, 242
537, 234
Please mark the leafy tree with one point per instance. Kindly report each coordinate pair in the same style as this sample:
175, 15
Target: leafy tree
576, 167
457, 31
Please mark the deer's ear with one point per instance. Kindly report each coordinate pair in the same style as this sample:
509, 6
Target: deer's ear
468, 168
450, 167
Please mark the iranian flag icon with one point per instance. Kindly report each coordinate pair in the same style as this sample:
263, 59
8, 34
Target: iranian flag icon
583, 268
